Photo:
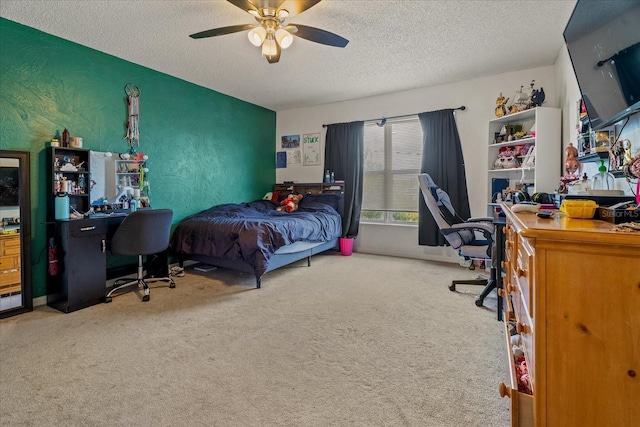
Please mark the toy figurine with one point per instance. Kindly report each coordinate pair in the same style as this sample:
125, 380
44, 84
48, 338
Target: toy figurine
501, 109
571, 162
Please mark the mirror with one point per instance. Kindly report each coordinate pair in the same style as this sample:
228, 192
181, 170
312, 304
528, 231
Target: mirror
15, 233
102, 179
116, 177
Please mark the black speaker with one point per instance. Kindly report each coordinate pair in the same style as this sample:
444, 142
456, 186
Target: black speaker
521, 196
543, 198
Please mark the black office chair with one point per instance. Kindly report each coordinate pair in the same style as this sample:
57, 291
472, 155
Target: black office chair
143, 232
461, 234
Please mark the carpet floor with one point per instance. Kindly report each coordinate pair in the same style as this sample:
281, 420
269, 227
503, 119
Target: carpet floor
364, 340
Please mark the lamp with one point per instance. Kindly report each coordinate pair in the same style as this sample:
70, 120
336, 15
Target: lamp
284, 38
269, 46
270, 34
257, 36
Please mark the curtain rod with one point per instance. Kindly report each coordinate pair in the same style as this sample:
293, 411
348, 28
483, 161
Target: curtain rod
384, 119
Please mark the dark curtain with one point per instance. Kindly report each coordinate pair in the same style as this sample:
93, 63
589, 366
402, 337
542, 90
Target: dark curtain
343, 154
442, 159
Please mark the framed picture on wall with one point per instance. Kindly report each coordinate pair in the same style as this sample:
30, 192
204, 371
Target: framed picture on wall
311, 149
290, 141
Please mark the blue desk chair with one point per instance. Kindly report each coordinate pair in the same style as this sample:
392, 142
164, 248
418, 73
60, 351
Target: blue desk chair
462, 235
143, 232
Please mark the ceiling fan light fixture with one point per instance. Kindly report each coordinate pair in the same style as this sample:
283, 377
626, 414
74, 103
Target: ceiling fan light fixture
269, 46
283, 14
257, 36
284, 38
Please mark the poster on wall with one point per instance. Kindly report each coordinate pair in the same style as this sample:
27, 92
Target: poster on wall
290, 141
310, 149
294, 157
281, 159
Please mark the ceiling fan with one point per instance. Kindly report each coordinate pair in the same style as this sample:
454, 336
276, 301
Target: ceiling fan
271, 32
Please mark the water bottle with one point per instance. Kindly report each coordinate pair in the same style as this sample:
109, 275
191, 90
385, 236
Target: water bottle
327, 177
62, 206
333, 177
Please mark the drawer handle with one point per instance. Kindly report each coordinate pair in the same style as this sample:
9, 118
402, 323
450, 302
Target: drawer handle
522, 328
104, 245
93, 227
505, 391
522, 272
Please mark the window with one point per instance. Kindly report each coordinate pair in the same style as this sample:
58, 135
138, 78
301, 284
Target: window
392, 157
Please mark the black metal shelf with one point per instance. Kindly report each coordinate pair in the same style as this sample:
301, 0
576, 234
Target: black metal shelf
593, 157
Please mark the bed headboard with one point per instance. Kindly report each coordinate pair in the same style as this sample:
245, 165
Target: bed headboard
333, 192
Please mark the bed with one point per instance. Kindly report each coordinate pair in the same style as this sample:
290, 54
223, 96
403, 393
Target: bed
255, 237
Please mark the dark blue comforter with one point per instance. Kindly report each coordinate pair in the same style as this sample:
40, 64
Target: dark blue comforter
253, 231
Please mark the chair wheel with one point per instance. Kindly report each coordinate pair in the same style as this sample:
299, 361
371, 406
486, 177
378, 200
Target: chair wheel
172, 285
452, 287
145, 298
107, 299
479, 302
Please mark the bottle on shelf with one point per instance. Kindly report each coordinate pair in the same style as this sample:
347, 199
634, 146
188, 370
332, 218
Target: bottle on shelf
603, 180
65, 138
81, 184
333, 177
56, 184
327, 177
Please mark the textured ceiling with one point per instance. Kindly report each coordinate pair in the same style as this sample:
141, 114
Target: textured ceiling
394, 45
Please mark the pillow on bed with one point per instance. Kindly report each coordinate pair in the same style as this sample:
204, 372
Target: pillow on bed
332, 200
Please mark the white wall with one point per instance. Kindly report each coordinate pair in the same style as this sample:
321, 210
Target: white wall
478, 95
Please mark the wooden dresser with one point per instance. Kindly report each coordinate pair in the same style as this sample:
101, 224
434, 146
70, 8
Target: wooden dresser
572, 293
10, 277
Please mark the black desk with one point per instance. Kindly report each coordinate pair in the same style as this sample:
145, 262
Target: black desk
82, 259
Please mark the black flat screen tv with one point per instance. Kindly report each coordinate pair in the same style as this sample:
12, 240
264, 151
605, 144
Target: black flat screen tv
603, 40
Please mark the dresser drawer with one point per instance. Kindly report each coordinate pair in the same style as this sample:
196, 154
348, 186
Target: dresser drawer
524, 272
524, 327
10, 246
521, 403
7, 263
9, 278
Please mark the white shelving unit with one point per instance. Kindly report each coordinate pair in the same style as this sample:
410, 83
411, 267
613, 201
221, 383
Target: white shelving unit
545, 175
127, 174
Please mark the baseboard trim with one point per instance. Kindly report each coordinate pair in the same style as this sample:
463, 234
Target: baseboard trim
39, 301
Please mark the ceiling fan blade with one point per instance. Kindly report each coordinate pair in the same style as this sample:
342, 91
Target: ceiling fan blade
319, 36
245, 5
272, 59
296, 7
222, 31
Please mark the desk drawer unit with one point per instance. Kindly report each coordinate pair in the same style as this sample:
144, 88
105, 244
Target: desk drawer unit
82, 278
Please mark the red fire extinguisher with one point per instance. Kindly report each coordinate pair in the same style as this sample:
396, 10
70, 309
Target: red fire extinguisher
53, 258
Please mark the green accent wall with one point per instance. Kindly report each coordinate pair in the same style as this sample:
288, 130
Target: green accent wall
204, 147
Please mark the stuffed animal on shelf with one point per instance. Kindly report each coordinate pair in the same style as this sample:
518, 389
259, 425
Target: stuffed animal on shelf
290, 204
506, 159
